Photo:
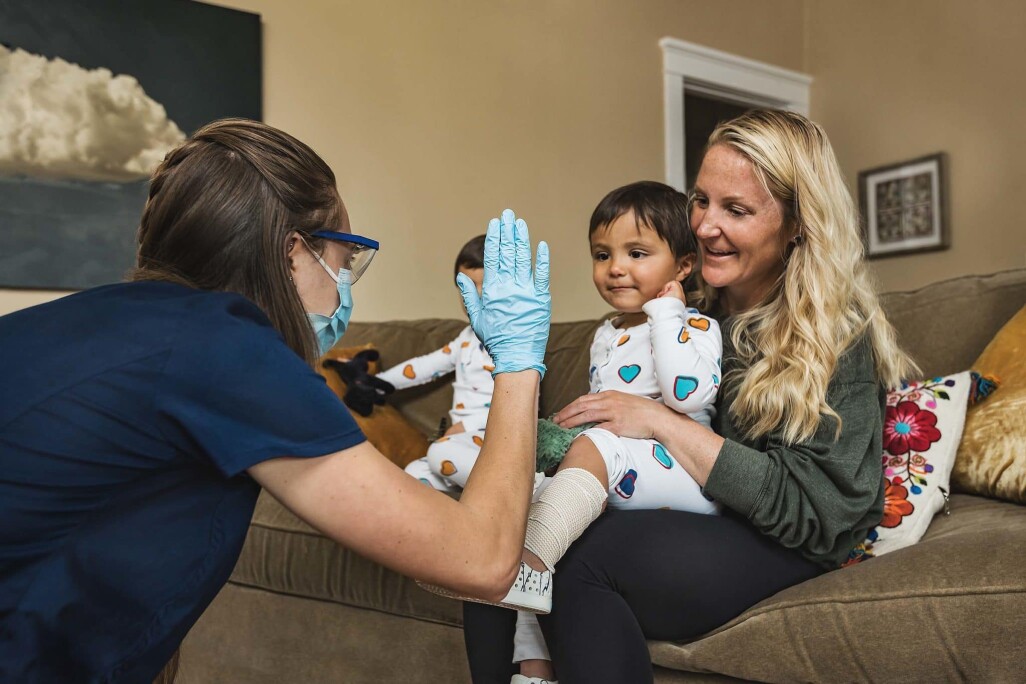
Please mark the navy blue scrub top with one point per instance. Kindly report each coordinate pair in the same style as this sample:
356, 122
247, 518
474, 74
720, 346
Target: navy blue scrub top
128, 416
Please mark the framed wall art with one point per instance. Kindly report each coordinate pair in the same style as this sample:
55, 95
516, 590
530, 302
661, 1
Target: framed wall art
904, 207
92, 96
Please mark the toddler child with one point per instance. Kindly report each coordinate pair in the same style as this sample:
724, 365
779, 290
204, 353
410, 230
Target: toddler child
642, 250
450, 458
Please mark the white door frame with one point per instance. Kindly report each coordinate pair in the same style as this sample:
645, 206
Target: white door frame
723, 75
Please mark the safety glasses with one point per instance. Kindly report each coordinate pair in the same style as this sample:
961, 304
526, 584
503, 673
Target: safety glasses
359, 250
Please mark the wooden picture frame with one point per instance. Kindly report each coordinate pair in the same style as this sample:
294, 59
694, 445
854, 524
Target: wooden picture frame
904, 207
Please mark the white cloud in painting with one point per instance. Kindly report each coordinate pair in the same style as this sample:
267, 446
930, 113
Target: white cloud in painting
58, 120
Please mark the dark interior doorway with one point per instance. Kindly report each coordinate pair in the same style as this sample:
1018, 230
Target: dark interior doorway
701, 115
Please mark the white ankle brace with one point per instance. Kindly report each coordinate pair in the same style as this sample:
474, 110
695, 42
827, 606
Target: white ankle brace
564, 510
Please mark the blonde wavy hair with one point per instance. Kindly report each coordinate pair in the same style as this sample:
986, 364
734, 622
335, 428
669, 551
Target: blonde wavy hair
789, 343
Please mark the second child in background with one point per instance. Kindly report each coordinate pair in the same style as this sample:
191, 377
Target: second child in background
450, 458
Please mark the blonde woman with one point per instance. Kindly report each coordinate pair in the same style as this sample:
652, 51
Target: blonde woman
795, 456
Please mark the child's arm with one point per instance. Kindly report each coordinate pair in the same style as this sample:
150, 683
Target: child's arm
423, 369
476, 367
686, 350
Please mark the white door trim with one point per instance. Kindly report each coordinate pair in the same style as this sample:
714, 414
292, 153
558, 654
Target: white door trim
721, 74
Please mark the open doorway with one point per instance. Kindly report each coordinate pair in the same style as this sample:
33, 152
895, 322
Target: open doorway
702, 113
702, 87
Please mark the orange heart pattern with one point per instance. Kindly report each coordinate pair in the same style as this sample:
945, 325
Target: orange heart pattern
460, 405
488, 368
683, 336
409, 372
699, 323
623, 340
477, 440
446, 350
448, 468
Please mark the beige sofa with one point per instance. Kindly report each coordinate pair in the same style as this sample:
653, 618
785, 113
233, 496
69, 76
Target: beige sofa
299, 608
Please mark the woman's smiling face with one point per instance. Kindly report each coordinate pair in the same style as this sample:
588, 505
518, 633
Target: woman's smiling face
740, 227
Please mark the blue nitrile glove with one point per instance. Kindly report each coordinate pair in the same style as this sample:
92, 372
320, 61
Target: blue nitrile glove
511, 317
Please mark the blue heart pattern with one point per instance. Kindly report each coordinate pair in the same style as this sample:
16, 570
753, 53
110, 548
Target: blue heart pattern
625, 488
660, 454
628, 373
684, 386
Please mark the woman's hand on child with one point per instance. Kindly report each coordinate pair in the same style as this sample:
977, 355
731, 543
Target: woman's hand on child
622, 414
511, 316
673, 289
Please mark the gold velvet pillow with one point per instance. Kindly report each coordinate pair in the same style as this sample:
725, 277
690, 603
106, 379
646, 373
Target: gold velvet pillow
991, 458
385, 427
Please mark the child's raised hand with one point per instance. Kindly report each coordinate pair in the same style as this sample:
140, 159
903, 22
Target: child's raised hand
673, 289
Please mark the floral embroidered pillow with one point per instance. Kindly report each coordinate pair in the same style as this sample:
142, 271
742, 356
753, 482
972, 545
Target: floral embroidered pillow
922, 428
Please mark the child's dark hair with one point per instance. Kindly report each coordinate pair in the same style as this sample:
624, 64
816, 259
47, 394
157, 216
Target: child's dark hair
471, 255
656, 205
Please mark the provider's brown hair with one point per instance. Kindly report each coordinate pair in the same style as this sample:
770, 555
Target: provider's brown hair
221, 206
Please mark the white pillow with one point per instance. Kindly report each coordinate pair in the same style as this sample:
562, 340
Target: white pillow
922, 429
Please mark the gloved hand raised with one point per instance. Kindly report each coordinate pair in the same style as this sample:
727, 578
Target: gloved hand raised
511, 316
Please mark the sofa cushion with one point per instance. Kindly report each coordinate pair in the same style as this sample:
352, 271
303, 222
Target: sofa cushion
949, 608
992, 457
566, 359
285, 555
945, 325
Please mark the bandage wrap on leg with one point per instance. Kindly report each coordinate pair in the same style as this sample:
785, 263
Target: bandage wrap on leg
563, 511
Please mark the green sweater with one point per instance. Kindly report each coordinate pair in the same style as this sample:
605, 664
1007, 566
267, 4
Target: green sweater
820, 496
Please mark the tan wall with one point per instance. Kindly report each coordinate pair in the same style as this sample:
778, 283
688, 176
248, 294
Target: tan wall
437, 115
899, 80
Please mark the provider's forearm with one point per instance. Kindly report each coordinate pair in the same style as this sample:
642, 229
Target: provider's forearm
693, 445
363, 501
500, 485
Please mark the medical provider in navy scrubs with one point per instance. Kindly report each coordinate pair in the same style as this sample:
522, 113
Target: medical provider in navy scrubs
138, 421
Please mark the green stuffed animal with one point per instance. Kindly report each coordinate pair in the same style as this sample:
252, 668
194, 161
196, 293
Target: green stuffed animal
553, 443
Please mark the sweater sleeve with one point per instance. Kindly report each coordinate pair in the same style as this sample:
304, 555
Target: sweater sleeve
686, 350
820, 496
423, 369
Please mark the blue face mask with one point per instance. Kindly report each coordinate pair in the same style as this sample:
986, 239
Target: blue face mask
329, 329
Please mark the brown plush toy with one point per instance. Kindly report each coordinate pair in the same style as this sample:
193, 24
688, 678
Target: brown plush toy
384, 427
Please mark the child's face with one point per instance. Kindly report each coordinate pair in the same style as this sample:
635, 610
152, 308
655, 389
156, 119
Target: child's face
476, 275
631, 263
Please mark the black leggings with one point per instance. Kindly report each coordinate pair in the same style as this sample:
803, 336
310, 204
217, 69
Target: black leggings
637, 575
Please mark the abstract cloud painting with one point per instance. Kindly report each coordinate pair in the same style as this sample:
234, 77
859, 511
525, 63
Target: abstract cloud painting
92, 96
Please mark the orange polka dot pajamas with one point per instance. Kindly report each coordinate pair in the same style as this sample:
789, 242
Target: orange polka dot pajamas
450, 459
